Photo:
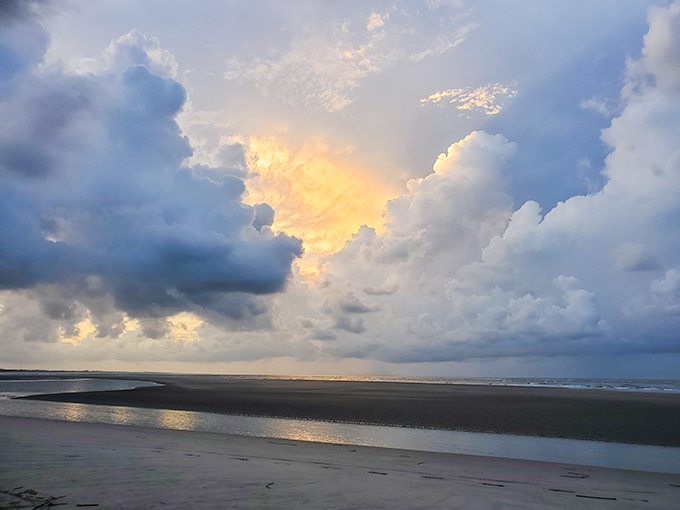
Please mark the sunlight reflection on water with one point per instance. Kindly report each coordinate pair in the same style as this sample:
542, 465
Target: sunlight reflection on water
177, 420
639, 457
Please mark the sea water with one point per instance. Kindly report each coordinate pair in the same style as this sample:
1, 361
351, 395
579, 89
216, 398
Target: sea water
639, 385
592, 453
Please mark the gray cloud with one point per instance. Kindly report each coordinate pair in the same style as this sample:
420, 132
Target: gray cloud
93, 190
385, 291
353, 325
18, 10
351, 304
23, 40
264, 216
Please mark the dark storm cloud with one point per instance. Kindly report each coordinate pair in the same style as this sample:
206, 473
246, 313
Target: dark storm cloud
92, 184
17, 10
22, 39
264, 216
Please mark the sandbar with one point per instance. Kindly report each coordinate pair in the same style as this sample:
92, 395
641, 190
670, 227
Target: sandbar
597, 415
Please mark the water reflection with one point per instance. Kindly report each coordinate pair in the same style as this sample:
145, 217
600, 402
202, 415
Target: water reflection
71, 412
121, 415
177, 420
23, 387
302, 430
645, 458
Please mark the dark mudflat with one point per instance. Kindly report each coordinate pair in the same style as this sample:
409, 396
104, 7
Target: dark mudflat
625, 417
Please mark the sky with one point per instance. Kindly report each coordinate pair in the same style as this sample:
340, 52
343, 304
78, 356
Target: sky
424, 187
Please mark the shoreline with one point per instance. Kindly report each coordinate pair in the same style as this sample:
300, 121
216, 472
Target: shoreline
115, 466
597, 415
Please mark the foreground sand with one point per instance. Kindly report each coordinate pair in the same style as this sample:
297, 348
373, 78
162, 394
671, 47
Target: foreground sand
109, 466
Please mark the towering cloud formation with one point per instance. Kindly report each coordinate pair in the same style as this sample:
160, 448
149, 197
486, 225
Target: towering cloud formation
459, 275
95, 200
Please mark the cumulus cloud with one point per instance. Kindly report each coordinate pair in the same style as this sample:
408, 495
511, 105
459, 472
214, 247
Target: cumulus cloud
461, 273
662, 45
441, 224
133, 48
102, 221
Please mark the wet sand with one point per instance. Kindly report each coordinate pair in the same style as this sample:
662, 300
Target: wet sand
80, 465
625, 417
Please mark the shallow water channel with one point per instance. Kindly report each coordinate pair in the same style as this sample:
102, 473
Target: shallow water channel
593, 453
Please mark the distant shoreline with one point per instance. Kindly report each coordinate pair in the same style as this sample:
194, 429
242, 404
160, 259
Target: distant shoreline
643, 385
598, 415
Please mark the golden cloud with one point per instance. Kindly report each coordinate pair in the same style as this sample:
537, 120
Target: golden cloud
486, 99
319, 196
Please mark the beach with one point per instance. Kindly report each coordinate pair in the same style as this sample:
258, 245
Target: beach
597, 415
81, 465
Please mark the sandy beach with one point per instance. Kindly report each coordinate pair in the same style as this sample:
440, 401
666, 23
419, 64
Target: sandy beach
80, 465
624, 417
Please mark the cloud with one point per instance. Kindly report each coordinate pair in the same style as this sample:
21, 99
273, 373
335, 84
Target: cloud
318, 193
666, 292
486, 99
466, 275
115, 248
599, 106
133, 48
375, 21
101, 217
662, 47
18, 10
313, 71
354, 325
351, 304
23, 41
635, 257
324, 65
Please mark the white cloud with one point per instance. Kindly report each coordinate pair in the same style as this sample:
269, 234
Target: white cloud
662, 47
322, 68
470, 278
312, 73
487, 99
375, 21
133, 48
599, 106
666, 292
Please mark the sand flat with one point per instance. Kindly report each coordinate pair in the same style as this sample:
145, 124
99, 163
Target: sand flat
623, 417
114, 466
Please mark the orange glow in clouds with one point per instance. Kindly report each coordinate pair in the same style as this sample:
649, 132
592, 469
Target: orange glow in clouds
83, 329
183, 326
317, 195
